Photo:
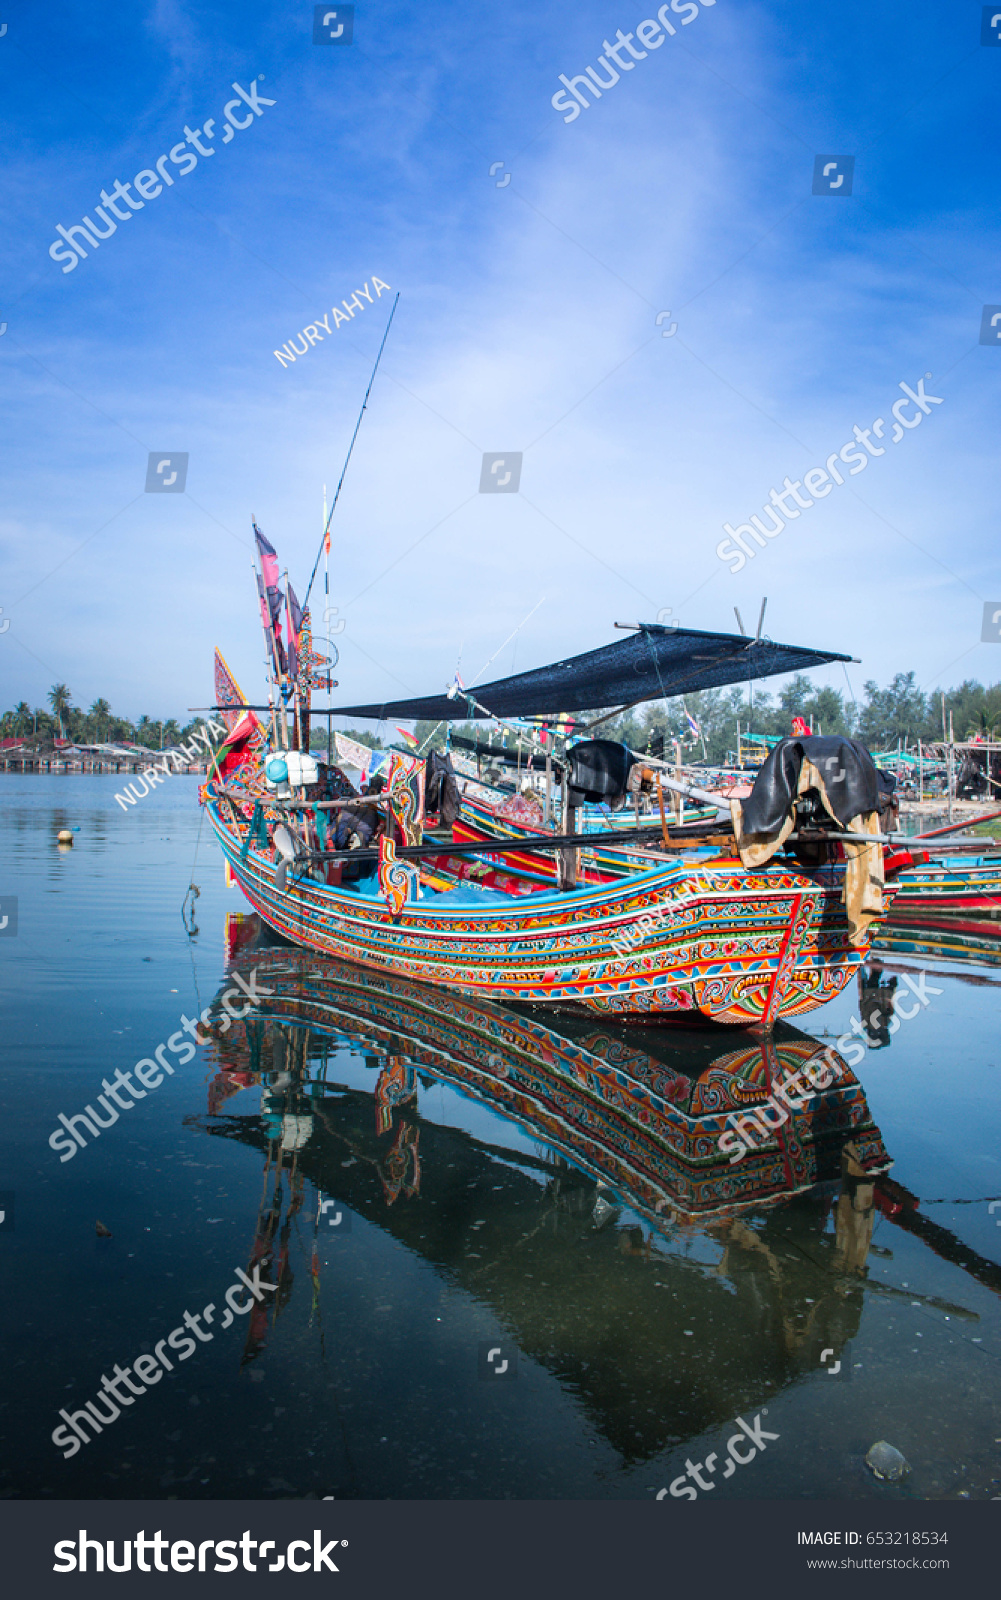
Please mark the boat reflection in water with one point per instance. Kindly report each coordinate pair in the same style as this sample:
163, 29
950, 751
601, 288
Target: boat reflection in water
667, 1287
961, 940
951, 942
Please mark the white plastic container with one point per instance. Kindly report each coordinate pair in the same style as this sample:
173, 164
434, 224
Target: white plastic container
302, 767
288, 769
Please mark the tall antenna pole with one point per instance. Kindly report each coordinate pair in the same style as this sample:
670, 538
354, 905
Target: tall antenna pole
293, 682
268, 652
351, 446
326, 618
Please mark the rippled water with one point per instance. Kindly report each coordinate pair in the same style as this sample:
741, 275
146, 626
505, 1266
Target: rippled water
421, 1182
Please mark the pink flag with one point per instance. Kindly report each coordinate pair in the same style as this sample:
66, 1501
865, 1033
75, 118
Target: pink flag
269, 559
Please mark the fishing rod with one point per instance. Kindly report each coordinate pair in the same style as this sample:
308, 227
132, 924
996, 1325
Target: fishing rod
351, 446
484, 667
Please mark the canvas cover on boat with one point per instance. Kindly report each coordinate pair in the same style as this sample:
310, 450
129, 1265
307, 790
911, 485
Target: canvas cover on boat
441, 792
850, 781
599, 770
651, 663
842, 772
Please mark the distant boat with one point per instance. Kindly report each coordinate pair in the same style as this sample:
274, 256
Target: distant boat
968, 884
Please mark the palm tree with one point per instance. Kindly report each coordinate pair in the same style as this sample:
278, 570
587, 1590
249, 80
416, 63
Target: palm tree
59, 700
99, 716
145, 731
22, 717
171, 731
983, 726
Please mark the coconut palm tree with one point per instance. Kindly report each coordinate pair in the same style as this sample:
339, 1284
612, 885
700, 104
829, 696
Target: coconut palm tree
59, 699
99, 716
983, 726
22, 717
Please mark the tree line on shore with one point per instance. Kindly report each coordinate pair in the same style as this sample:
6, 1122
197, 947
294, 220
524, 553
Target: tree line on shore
900, 714
99, 725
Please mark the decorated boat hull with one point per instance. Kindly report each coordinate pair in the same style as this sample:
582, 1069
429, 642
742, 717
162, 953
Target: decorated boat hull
705, 936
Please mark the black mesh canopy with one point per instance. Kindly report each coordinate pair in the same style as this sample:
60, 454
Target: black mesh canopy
650, 664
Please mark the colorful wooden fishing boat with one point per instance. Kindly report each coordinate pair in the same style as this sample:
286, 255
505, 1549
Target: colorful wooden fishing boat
736, 945
968, 885
697, 932
487, 820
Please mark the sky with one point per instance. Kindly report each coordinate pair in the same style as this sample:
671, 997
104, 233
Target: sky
646, 299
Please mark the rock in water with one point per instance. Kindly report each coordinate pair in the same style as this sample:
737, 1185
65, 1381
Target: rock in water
103, 1232
886, 1462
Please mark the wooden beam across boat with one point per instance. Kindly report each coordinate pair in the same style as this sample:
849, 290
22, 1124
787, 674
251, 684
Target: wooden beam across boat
556, 841
561, 841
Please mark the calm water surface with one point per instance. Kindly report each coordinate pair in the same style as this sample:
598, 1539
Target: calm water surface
421, 1182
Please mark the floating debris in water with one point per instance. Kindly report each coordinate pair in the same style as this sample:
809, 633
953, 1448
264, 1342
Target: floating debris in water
886, 1463
103, 1232
603, 1213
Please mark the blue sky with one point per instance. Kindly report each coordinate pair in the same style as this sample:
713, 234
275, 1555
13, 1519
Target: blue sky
527, 321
